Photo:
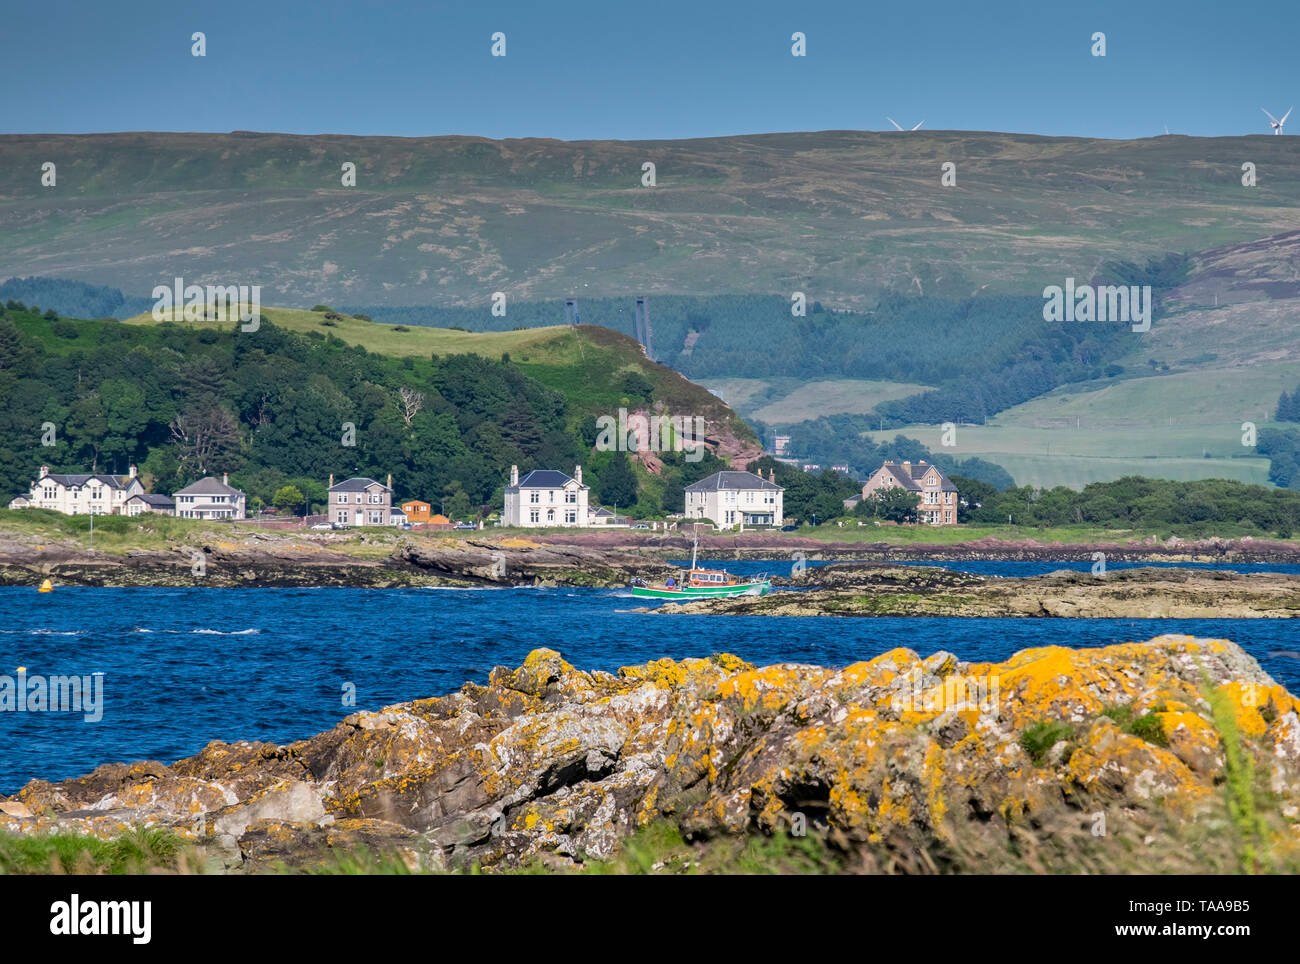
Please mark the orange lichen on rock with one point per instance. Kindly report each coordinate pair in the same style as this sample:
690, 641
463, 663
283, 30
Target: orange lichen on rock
551, 762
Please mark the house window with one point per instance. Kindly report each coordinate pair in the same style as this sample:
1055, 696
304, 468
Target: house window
550, 496
570, 516
343, 517
550, 515
534, 497
571, 497
374, 518
533, 515
375, 500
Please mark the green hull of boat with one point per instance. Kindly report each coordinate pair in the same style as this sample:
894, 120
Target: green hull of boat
701, 592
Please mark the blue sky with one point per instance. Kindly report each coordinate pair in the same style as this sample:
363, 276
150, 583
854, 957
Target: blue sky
647, 70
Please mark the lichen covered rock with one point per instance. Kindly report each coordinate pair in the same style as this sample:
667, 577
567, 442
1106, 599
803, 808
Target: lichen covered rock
897, 762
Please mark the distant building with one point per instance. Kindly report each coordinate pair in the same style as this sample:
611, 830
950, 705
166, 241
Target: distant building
600, 516
812, 467
148, 502
92, 494
417, 511
397, 518
842, 469
546, 497
780, 444
938, 495
736, 498
210, 498
360, 502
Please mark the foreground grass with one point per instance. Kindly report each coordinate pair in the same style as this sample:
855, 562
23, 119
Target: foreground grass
141, 851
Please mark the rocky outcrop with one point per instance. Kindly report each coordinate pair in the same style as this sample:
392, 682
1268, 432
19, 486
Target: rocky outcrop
1144, 593
380, 562
518, 561
1056, 759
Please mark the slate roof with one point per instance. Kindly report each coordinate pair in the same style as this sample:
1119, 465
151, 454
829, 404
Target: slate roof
151, 498
207, 486
543, 479
356, 485
67, 481
732, 480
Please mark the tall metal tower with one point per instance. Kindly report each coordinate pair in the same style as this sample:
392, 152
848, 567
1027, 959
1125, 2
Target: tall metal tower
571, 315
642, 326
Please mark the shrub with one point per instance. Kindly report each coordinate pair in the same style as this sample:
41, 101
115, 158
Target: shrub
1149, 728
1038, 738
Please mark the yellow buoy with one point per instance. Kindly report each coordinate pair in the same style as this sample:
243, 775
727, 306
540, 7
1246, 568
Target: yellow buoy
46, 586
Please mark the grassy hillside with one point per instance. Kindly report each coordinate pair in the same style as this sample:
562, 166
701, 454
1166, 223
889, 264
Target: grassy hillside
448, 220
584, 363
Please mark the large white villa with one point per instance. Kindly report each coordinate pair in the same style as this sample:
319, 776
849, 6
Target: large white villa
736, 498
210, 498
546, 497
91, 494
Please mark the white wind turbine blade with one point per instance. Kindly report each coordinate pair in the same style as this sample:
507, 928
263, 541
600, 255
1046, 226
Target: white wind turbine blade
1286, 115
918, 126
1270, 116
894, 122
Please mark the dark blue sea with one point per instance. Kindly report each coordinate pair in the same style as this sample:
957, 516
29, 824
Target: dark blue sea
185, 666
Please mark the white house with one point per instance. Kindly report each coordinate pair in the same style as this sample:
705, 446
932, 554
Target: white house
209, 498
546, 497
94, 494
361, 502
736, 498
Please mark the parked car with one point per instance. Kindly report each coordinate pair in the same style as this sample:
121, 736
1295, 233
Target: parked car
464, 525
641, 525
322, 526
789, 528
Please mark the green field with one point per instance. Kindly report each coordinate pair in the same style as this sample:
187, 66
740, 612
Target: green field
1074, 457
540, 344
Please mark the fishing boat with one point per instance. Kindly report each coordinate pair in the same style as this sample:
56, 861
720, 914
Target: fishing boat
697, 583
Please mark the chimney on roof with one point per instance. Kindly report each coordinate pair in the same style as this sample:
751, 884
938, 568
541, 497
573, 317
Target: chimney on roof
331, 485
514, 475
390, 480
130, 470
577, 474
920, 461
225, 478
45, 470
771, 475
907, 466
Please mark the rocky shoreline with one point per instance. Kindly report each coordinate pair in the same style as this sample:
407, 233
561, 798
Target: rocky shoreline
1056, 760
1140, 593
450, 562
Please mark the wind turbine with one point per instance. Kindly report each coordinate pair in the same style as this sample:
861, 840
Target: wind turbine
896, 125
1277, 124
